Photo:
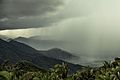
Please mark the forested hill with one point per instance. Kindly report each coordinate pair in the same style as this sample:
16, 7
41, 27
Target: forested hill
16, 51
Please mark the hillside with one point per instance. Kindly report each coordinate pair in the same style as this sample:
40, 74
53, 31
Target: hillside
58, 54
16, 51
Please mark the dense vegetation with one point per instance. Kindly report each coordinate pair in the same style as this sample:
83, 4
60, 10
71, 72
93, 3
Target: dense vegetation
27, 71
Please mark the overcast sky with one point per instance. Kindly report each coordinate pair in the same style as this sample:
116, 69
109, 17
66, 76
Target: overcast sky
92, 26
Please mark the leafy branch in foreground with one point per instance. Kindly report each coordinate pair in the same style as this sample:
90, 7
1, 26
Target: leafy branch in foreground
28, 71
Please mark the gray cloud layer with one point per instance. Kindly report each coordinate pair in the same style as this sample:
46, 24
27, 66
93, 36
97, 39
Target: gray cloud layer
15, 8
12, 10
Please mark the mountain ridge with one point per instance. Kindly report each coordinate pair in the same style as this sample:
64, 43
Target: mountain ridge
16, 51
39, 44
58, 53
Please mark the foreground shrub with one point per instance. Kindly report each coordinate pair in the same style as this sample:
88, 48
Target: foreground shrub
109, 71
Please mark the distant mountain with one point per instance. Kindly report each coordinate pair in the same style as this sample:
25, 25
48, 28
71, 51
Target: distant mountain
40, 44
16, 51
58, 54
4, 37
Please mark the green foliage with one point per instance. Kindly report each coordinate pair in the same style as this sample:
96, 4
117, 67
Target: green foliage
5, 74
109, 71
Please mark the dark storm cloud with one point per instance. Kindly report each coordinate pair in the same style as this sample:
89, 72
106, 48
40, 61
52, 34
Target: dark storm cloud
15, 8
12, 10
27, 23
